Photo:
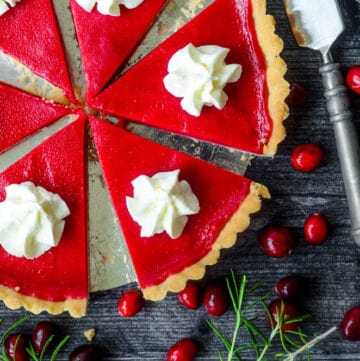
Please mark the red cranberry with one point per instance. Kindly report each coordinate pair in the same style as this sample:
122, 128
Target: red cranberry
15, 347
191, 296
353, 78
183, 350
41, 334
307, 157
290, 288
316, 228
85, 352
350, 324
276, 241
130, 303
287, 311
297, 96
216, 299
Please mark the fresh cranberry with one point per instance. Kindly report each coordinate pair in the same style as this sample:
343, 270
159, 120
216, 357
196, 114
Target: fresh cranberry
290, 288
276, 241
191, 296
307, 157
183, 350
130, 303
85, 352
350, 324
316, 228
41, 334
353, 78
286, 311
297, 96
216, 299
15, 347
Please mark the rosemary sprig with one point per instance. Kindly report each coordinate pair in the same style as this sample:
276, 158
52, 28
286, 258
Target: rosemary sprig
34, 357
292, 342
3, 355
30, 348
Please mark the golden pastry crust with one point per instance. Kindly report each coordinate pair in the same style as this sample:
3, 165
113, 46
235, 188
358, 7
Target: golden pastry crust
278, 88
239, 221
14, 300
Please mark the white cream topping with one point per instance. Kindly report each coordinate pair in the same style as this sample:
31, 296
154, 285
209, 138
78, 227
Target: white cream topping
31, 220
108, 7
199, 75
5, 5
162, 203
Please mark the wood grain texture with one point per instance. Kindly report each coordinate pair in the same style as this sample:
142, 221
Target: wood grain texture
333, 269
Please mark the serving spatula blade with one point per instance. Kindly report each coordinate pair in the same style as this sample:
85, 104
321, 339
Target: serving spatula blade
316, 24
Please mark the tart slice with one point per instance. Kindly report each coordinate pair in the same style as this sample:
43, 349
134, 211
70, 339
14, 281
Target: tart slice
57, 280
165, 261
21, 114
251, 119
31, 36
105, 41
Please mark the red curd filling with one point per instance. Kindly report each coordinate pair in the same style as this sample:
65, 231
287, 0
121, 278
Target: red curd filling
30, 35
60, 273
106, 41
243, 123
21, 114
124, 157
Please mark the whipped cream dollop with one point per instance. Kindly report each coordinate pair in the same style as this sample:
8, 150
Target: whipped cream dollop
199, 75
162, 203
6, 4
31, 220
108, 7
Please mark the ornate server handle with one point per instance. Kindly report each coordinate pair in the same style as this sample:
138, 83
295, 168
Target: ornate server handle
347, 142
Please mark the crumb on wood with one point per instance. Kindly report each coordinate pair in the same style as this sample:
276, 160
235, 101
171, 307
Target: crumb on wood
90, 334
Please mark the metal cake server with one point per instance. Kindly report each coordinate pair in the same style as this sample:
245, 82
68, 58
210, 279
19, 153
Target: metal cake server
316, 25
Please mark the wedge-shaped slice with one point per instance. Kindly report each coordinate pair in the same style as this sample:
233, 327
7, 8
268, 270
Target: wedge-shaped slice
161, 263
21, 114
30, 35
56, 281
252, 117
105, 41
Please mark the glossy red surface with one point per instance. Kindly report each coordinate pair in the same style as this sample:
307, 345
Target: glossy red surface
244, 122
125, 156
106, 41
30, 35
21, 114
57, 165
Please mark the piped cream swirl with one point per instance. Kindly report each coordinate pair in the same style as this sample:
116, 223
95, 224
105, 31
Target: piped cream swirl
162, 203
199, 75
31, 220
6, 4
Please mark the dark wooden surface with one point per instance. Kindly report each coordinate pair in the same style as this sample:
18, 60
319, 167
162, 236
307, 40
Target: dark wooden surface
332, 270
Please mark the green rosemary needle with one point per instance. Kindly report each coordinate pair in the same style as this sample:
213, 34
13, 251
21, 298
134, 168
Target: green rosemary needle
30, 349
290, 341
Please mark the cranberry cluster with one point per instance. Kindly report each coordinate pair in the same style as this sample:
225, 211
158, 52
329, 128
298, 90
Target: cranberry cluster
43, 340
289, 289
16, 344
277, 241
214, 297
